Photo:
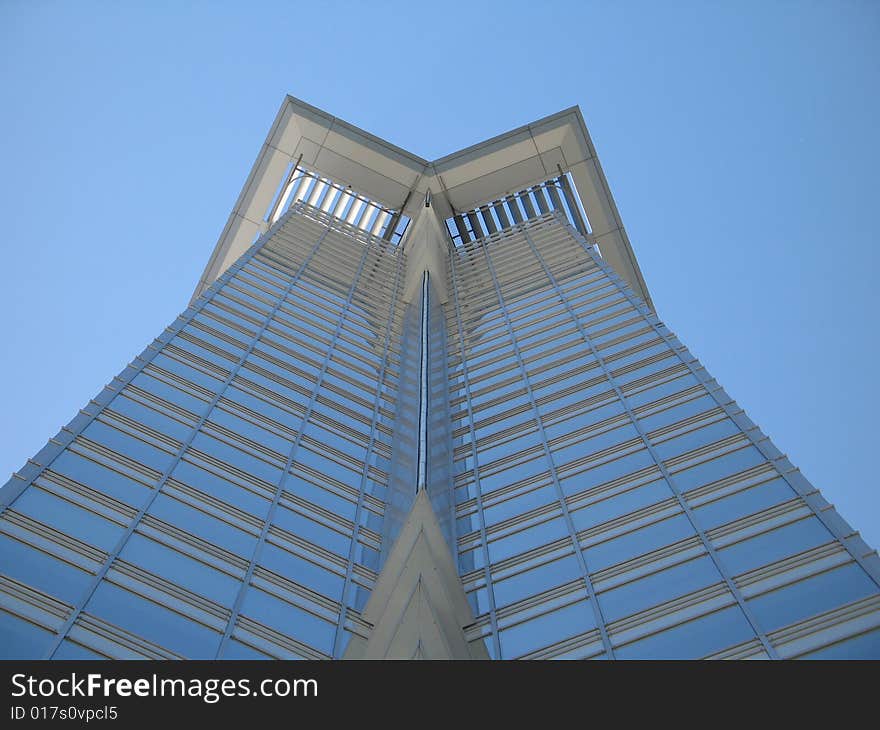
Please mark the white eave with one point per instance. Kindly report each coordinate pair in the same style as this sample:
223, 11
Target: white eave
399, 179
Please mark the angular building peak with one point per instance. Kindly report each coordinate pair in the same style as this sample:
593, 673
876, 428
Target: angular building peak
417, 608
314, 156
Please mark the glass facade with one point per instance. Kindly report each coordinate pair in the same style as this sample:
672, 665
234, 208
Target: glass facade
225, 495
236, 490
611, 500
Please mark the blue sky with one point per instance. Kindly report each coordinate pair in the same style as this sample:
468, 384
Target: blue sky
739, 139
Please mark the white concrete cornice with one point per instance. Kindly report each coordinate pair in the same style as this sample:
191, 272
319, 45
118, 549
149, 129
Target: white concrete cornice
399, 180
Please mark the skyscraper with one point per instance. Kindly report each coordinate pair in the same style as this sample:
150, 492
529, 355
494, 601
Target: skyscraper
423, 409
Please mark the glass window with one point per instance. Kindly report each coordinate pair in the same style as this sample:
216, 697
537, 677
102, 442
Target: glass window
101, 478
484, 395
225, 322
289, 619
323, 435
747, 502
252, 431
310, 530
475, 362
658, 588
248, 280
547, 629
695, 439
583, 419
326, 466
366, 389
196, 348
196, 522
693, 640
620, 504
127, 445
769, 547
863, 646
236, 650
375, 487
228, 299
575, 352
809, 597
578, 380
513, 475
678, 413
711, 471
629, 329
149, 417
193, 375
167, 392
555, 400
537, 580
638, 542
38, 569
498, 406
469, 560
197, 577
367, 556
483, 430
479, 601
235, 457
495, 382
153, 622
649, 395
553, 318
623, 342
234, 291
343, 367
224, 319
289, 352
602, 473
525, 540
519, 504
71, 650
222, 489
622, 378
635, 354
20, 639
264, 407
466, 524
530, 345
491, 453
321, 497
592, 444
69, 518
302, 571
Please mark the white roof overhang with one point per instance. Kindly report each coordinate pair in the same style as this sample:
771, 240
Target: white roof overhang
399, 180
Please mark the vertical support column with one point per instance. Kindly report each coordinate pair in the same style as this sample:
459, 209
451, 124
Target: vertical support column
403, 475
439, 420
422, 451
422, 471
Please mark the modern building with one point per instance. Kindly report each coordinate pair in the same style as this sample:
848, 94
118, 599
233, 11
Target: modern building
424, 409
